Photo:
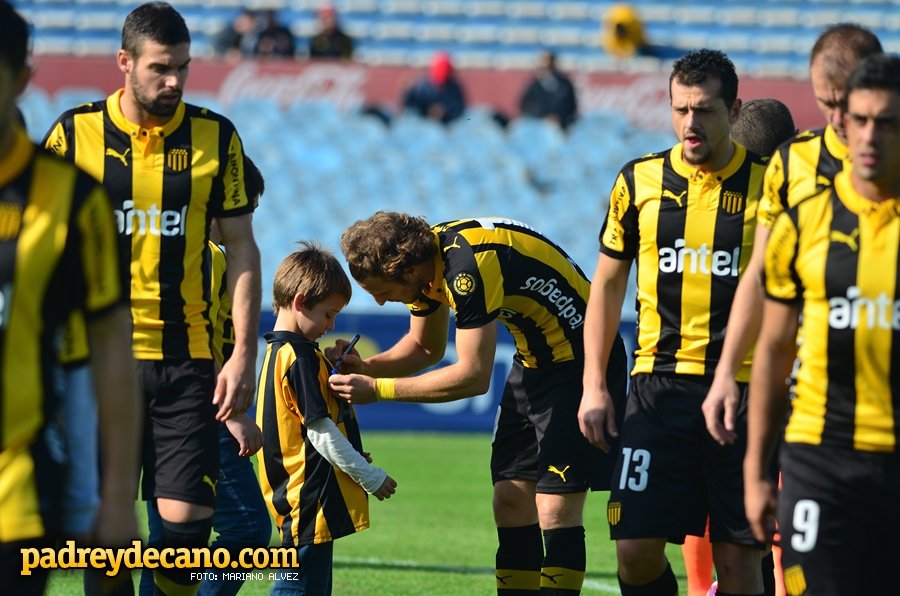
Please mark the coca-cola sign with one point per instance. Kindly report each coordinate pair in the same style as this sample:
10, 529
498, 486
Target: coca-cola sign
642, 99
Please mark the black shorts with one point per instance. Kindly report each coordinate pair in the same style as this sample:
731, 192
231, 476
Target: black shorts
536, 435
670, 473
839, 519
181, 440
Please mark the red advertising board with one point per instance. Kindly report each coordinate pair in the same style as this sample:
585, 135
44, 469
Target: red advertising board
643, 99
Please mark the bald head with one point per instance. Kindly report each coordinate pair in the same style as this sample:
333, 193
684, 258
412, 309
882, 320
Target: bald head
840, 48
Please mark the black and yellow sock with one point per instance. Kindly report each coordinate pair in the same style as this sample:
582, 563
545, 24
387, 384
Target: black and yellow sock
519, 557
192, 534
97, 583
563, 570
664, 585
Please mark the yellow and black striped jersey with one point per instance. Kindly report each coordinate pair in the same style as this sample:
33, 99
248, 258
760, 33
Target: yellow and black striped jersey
312, 501
692, 235
493, 268
57, 253
166, 184
838, 254
222, 340
800, 168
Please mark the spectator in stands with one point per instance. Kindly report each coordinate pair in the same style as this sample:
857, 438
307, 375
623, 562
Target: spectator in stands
331, 41
239, 37
550, 95
274, 40
622, 35
762, 125
437, 95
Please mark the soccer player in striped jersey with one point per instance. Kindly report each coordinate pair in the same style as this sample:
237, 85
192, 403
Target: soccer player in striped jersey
797, 170
489, 271
687, 215
170, 168
241, 519
57, 253
833, 261
761, 126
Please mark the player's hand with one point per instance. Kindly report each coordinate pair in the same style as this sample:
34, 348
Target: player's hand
235, 386
352, 362
597, 417
246, 433
388, 487
354, 389
116, 524
720, 409
760, 504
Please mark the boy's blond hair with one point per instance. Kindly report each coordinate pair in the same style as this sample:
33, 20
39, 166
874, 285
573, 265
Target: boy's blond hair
311, 271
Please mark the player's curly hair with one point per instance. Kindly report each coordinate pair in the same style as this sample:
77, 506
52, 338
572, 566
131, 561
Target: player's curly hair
312, 271
387, 246
154, 21
697, 66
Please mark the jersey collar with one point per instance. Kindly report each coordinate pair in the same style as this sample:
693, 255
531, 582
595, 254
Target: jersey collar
19, 154
882, 213
834, 145
692, 173
114, 108
436, 289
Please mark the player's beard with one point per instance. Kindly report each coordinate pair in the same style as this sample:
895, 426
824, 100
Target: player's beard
152, 106
699, 156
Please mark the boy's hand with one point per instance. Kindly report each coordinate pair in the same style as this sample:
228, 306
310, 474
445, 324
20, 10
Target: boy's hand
246, 433
367, 456
388, 487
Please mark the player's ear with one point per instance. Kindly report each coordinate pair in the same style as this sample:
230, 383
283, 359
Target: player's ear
124, 61
299, 299
735, 110
22, 79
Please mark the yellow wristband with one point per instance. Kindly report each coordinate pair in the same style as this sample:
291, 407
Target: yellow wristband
384, 389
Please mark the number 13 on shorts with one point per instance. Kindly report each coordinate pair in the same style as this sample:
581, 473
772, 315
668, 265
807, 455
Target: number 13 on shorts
635, 468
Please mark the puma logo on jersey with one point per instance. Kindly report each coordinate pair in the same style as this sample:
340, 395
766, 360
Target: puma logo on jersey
209, 481
454, 245
851, 239
557, 471
668, 194
117, 155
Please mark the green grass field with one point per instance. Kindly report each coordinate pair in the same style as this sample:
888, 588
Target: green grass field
436, 535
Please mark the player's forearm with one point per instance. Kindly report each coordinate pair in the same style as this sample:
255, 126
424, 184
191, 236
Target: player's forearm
768, 402
243, 276
119, 403
448, 383
423, 346
404, 358
601, 324
746, 317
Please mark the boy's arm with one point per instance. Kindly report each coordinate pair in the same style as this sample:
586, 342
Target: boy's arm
337, 450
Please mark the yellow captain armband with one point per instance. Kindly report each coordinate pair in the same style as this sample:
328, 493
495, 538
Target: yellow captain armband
384, 389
